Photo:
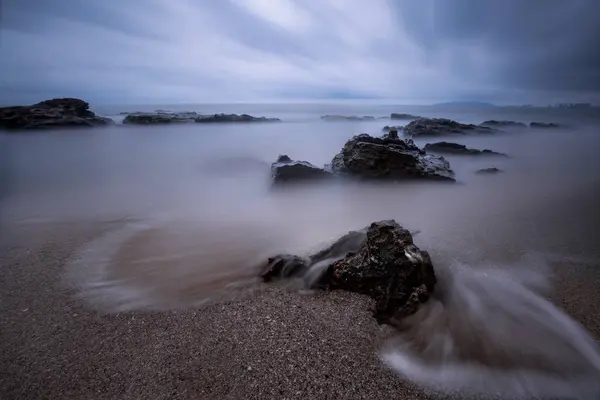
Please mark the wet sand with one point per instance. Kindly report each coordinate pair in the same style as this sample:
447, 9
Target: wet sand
271, 343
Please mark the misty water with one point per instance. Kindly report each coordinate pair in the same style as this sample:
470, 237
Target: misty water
198, 214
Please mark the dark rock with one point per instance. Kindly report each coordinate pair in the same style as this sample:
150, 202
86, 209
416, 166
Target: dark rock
283, 266
233, 118
387, 267
442, 126
54, 113
543, 125
506, 124
391, 134
403, 116
157, 118
385, 158
389, 128
459, 149
492, 170
380, 261
346, 118
286, 170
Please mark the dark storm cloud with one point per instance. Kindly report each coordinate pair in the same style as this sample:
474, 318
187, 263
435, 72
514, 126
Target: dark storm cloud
530, 44
242, 50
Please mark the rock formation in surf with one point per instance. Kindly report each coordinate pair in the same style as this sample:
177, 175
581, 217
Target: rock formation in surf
459, 149
387, 158
54, 113
491, 170
441, 127
543, 125
403, 116
286, 170
163, 117
388, 128
159, 117
380, 261
503, 124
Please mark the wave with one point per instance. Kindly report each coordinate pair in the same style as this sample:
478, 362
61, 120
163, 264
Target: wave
492, 331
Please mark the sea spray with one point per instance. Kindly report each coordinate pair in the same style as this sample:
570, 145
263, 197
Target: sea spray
492, 331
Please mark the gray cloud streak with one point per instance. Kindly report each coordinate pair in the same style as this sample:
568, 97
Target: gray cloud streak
243, 50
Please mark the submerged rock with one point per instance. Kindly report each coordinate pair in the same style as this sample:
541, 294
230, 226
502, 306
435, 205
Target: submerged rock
506, 124
403, 116
233, 118
346, 118
286, 170
380, 261
459, 149
543, 125
386, 158
54, 113
492, 170
442, 126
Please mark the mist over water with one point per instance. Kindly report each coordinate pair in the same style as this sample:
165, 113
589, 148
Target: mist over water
198, 215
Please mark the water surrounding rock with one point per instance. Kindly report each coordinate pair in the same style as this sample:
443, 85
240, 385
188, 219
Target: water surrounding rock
233, 118
346, 118
459, 149
403, 116
543, 125
54, 113
503, 124
367, 157
380, 261
492, 170
442, 126
286, 170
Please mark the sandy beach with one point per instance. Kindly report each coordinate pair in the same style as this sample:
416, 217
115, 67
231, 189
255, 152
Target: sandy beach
274, 344
271, 343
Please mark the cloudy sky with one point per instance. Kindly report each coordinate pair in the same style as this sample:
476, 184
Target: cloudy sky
407, 51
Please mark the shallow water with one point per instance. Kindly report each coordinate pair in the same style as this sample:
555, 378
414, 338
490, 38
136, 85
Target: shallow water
198, 215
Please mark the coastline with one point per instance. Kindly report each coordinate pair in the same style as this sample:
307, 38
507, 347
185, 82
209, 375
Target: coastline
274, 343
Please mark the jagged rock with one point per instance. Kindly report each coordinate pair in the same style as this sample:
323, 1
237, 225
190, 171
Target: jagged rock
459, 149
286, 170
368, 157
442, 126
492, 170
346, 118
380, 261
403, 116
233, 118
543, 125
507, 124
54, 113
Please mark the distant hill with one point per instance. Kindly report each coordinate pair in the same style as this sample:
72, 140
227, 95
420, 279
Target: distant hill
478, 104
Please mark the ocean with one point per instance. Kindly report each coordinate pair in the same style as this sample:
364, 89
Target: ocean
198, 212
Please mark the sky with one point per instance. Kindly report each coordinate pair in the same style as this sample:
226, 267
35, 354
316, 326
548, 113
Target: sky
221, 51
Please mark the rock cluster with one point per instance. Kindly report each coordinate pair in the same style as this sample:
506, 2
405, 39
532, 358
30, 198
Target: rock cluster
459, 149
380, 261
366, 157
442, 126
54, 113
